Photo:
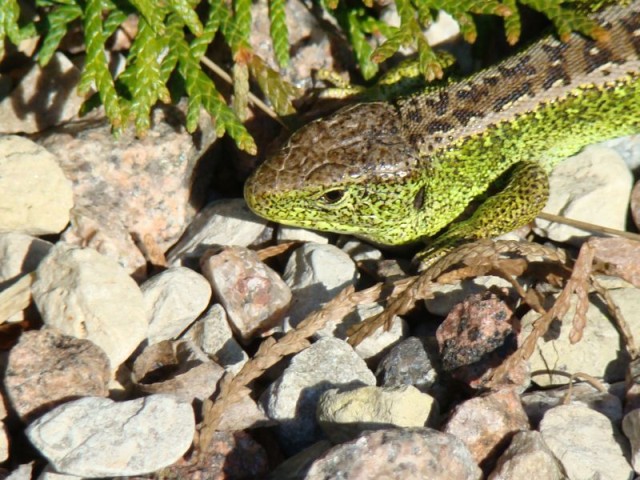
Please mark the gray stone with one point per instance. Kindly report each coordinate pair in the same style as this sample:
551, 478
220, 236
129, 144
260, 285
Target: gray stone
292, 399
223, 222
407, 363
213, 335
96, 437
174, 299
316, 273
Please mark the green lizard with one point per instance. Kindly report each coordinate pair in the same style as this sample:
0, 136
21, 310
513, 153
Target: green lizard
406, 170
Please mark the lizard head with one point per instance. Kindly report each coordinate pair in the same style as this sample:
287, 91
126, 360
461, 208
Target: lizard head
352, 172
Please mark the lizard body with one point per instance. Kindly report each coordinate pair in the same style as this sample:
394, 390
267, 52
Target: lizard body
406, 170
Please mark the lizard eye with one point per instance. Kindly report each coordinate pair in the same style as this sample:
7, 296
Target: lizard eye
332, 197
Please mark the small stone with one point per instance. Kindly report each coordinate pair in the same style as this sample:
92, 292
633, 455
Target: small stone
487, 423
294, 234
223, 222
87, 295
344, 415
407, 363
477, 335
407, 454
586, 442
360, 251
20, 254
376, 343
631, 428
46, 368
598, 353
23, 472
96, 437
620, 255
212, 333
178, 368
528, 457
316, 273
447, 296
132, 186
36, 196
593, 187
253, 295
474, 329
292, 399
174, 299
45, 96
536, 404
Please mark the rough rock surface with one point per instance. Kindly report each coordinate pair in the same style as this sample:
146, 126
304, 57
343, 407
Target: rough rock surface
292, 399
46, 368
87, 295
344, 415
586, 442
36, 196
96, 437
407, 453
174, 299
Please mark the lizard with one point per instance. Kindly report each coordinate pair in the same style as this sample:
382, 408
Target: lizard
405, 170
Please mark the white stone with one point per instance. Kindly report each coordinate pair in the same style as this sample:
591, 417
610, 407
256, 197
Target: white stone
36, 196
49, 474
97, 437
290, 234
45, 96
23, 472
343, 415
174, 299
359, 251
223, 222
631, 428
374, 344
586, 442
4, 442
213, 335
599, 353
87, 295
316, 273
292, 398
594, 187
528, 457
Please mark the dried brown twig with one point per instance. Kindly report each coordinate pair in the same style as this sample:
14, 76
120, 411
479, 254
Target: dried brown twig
232, 388
505, 258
